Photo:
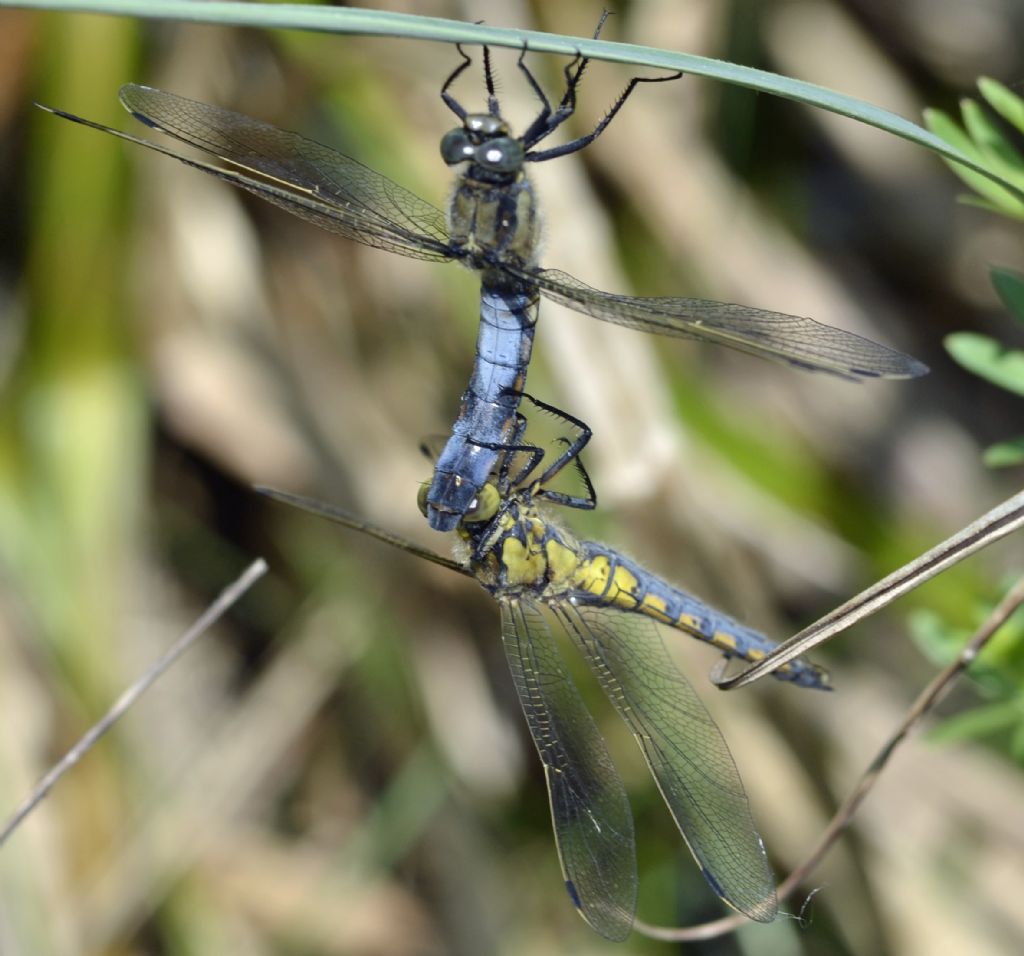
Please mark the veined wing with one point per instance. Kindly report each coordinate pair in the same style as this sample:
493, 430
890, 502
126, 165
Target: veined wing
787, 338
589, 809
684, 749
308, 179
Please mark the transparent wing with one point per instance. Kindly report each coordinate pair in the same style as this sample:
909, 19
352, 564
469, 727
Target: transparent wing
786, 338
685, 751
308, 179
589, 809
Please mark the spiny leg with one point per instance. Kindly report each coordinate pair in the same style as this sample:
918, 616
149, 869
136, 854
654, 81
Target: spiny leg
586, 501
453, 104
516, 443
570, 454
547, 122
535, 456
492, 96
582, 141
572, 79
538, 129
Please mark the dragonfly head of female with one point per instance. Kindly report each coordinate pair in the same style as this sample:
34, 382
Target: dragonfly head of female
483, 507
487, 144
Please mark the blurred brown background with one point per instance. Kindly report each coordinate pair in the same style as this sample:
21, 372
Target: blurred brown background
341, 767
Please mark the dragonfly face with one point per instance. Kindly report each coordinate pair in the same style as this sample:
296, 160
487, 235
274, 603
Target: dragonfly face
486, 143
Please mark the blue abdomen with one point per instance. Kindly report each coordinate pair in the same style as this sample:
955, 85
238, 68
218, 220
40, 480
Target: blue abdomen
488, 410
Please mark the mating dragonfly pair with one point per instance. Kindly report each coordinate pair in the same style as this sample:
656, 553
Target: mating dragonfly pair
489, 481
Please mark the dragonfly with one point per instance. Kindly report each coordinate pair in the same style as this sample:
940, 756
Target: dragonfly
546, 580
492, 226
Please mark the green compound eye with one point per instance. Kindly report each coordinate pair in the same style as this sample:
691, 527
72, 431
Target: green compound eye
485, 506
421, 499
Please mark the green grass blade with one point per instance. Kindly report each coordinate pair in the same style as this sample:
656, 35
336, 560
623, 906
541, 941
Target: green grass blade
383, 23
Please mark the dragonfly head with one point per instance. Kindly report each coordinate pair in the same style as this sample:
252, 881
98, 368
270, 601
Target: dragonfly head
480, 508
487, 143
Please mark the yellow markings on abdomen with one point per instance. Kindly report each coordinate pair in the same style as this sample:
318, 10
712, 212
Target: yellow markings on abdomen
610, 582
625, 589
724, 640
562, 561
653, 605
593, 576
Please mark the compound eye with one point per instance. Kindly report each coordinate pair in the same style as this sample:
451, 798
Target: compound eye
501, 154
484, 506
421, 499
456, 147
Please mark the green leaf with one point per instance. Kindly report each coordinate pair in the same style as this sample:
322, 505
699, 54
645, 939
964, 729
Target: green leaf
968, 199
281, 16
1004, 454
994, 197
942, 124
996, 149
1004, 101
989, 359
1009, 286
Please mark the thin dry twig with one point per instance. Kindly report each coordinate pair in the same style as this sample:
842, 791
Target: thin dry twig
989, 528
926, 700
229, 596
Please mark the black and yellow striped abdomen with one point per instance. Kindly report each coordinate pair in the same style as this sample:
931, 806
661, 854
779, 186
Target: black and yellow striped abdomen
529, 554
607, 578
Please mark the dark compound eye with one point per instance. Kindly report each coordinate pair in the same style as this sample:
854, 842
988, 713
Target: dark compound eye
502, 154
456, 147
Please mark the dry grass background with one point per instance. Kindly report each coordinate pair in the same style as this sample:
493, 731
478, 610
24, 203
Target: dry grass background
341, 767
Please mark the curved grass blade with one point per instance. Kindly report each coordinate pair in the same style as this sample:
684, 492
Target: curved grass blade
385, 23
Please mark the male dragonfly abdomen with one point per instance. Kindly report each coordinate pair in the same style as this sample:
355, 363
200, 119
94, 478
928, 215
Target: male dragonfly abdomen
492, 227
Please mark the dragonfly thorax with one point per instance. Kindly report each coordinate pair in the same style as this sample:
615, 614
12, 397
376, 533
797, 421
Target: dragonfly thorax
520, 550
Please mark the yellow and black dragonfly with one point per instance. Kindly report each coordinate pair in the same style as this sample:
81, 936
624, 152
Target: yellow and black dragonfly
492, 226
541, 575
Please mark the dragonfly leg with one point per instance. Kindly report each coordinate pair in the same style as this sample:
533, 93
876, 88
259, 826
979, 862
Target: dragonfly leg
453, 104
538, 129
492, 96
506, 460
535, 455
586, 501
574, 447
547, 122
579, 143
571, 454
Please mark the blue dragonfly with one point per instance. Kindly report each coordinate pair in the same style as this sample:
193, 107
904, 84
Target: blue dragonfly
492, 226
546, 580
